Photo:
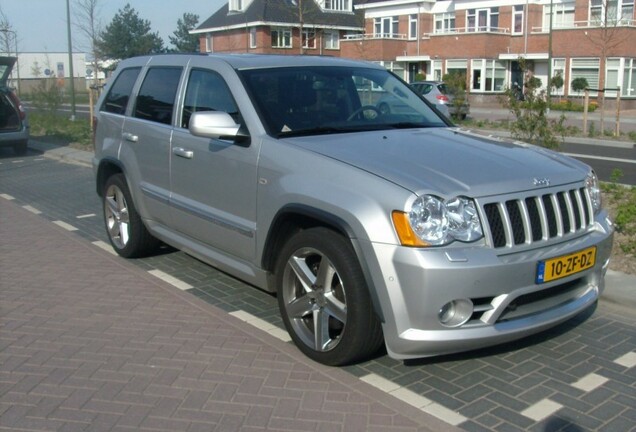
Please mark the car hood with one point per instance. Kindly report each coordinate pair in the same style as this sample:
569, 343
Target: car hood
448, 161
6, 64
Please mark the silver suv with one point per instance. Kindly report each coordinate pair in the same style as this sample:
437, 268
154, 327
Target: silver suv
370, 227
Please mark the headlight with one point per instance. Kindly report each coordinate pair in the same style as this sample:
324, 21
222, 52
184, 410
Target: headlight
432, 221
594, 191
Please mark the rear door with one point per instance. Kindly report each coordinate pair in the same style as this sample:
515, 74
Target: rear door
146, 136
6, 65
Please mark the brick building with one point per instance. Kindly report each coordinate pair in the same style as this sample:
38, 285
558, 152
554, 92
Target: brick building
484, 39
280, 27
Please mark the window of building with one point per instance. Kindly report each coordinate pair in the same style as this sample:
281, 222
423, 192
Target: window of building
629, 78
155, 101
253, 37
488, 75
587, 68
517, 19
281, 37
385, 27
482, 20
208, 42
396, 67
413, 26
611, 12
445, 22
337, 5
558, 68
332, 39
436, 66
309, 39
562, 15
236, 5
612, 72
457, 67
620, 72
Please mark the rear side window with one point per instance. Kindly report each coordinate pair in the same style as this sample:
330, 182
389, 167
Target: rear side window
207, 91
120, 91
155, 101
426, 88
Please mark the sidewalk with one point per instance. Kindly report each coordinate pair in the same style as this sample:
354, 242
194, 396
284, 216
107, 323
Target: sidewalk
91, 342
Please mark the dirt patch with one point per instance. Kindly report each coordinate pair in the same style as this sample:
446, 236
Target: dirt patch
621, 261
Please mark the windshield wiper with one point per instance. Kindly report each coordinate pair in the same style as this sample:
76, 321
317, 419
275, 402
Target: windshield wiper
321, 130
412, 125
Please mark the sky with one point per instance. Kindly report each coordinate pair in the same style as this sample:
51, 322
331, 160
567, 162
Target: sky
41, 24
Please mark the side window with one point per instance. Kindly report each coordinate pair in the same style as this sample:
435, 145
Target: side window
155, 101
207, 91
119, 93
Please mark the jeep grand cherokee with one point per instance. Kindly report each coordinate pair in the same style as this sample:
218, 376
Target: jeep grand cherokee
370, 227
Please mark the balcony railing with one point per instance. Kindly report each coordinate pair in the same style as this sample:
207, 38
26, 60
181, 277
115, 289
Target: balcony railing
585, 25
368, 36
467, 30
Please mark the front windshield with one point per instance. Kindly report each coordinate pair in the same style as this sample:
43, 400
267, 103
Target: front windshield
296, 101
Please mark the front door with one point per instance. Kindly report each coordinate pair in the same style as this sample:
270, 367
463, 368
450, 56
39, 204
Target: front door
213, 181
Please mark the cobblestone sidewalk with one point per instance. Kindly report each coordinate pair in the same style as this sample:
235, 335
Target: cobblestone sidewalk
92, 342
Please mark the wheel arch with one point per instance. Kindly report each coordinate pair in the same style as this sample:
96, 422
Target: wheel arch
106, 168
297, 217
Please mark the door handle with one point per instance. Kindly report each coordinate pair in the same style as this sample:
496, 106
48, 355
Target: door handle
130, 137
181, 152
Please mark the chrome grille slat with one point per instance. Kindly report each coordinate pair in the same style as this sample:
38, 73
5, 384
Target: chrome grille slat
537, 218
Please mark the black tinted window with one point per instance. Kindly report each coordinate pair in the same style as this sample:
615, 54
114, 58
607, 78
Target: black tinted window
119, 93
207, 91
155, 101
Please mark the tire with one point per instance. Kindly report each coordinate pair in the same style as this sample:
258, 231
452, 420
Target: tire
384, 108
127, 233
321, 287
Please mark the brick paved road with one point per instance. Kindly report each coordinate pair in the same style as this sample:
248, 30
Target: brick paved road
92, 342
580, 376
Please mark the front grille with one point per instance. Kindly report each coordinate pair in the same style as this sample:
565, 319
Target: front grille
538, 218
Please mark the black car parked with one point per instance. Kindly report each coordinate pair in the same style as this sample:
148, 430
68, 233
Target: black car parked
14, 127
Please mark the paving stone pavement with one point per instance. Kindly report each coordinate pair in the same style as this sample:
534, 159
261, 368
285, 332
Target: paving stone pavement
92, 342
578, 376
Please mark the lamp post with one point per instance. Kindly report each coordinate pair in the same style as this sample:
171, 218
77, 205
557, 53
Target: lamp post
549, 93
17, 61
70, 58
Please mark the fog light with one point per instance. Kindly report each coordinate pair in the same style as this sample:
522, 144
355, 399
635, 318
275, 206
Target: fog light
455, 313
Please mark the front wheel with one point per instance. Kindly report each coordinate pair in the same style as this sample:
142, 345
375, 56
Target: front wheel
126, 231
324, 300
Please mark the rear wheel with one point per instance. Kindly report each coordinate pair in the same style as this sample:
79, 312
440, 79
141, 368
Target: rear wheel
324, 300
126, 231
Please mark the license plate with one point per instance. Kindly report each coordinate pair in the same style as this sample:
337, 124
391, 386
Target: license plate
566, 265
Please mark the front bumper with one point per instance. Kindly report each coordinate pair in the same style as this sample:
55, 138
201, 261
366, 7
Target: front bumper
412, 285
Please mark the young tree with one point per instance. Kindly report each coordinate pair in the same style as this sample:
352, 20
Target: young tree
88, 23
182, 40
456, 86
128, 35
531, 123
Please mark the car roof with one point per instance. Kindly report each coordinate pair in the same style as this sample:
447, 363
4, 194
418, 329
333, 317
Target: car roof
258, 61
6, 64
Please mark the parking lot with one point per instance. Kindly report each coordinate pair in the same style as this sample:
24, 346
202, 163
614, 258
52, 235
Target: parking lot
578, 376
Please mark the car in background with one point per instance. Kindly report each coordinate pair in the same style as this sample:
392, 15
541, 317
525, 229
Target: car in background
14, 127
437, 93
